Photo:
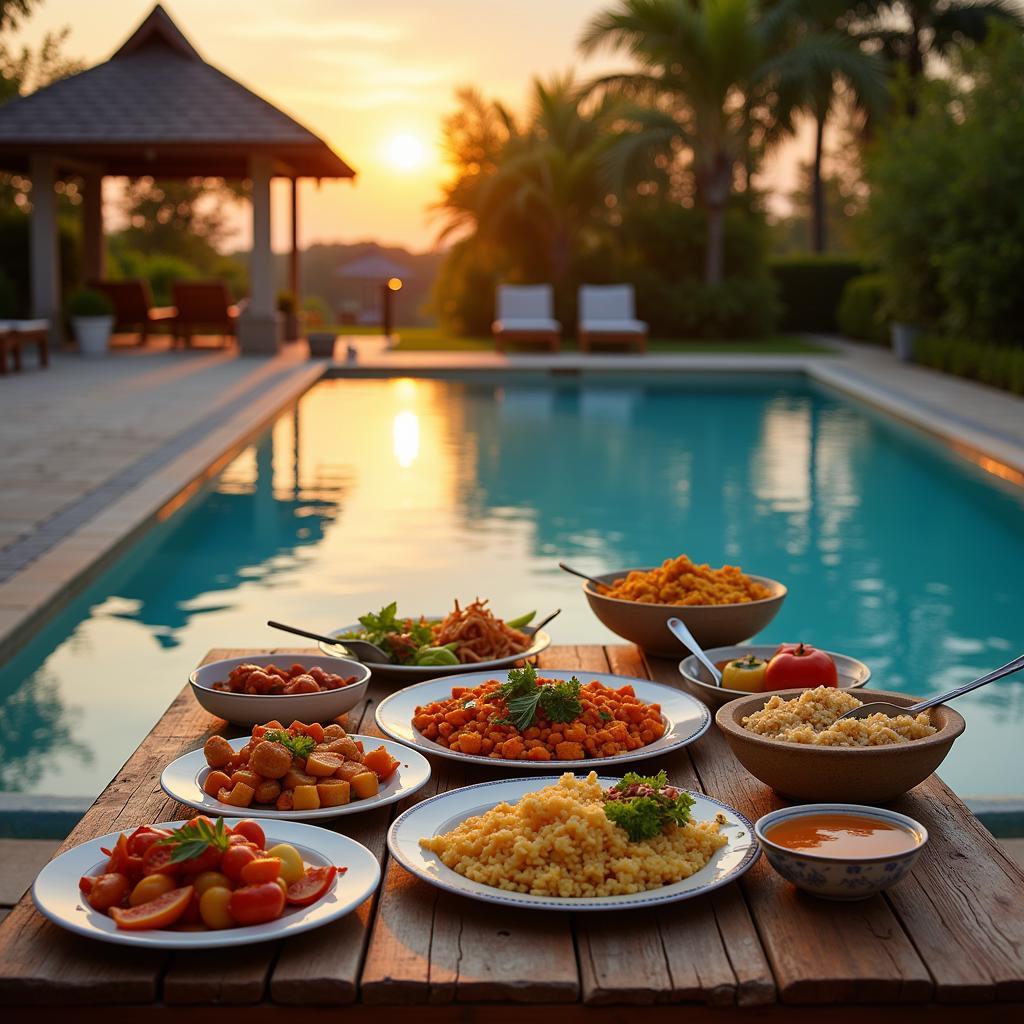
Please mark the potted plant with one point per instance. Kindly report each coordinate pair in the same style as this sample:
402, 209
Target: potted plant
288, 307
92, 320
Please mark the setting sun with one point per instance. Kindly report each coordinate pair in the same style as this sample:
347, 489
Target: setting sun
405, 151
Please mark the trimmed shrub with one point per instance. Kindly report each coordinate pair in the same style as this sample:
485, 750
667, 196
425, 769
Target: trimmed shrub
736, 308
87, 302
1000, 366
810, 288
861, 312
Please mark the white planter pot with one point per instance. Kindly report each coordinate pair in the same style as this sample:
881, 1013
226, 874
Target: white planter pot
903, 337
92, 334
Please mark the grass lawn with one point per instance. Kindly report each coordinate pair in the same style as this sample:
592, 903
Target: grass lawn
423, 339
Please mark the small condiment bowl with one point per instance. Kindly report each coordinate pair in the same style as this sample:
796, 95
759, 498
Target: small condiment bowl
839, 878
851, 672
257, 708
712, 625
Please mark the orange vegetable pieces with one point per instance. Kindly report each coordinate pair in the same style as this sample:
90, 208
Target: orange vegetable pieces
380, 762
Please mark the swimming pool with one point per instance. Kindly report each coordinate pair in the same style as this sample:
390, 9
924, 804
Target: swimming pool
423, 490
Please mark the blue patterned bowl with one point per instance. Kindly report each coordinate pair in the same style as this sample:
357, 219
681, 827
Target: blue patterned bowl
835, 878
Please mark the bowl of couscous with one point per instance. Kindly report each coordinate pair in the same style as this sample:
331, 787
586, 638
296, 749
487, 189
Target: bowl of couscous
791, 741
720, 607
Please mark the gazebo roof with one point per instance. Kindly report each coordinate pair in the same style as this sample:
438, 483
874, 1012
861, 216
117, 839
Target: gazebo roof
374, 267
157, 108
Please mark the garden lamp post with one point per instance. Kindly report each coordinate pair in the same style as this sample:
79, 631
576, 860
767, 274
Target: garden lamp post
392, 284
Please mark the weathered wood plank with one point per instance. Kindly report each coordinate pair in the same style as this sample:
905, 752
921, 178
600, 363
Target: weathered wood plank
820, 952
963, 906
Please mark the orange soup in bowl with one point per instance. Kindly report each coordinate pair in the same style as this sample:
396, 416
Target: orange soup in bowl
843, 836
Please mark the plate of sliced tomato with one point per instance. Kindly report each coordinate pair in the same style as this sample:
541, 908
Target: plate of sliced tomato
206, 883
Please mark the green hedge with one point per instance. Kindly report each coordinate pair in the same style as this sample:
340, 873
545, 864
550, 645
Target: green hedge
1001, 366
861, 309
810, 287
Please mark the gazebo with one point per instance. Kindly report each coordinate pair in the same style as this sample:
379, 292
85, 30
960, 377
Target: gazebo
157, 108
370, 276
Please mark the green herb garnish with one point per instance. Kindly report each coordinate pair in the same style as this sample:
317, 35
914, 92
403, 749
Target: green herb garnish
606, 716
300, 746
524, 696
402, 639
192, 840
643, 817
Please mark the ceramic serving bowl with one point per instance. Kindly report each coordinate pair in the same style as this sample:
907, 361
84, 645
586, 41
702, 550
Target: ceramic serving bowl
840, 878
865, 775
713, 625
851, 672
256, 709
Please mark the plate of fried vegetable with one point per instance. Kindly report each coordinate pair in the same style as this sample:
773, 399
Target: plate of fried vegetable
527, 717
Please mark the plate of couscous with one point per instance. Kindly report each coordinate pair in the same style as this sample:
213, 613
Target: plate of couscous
532, 718
579, 842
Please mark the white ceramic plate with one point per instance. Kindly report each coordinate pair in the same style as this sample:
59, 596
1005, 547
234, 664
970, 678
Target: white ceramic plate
686, 718
444, 812
183, 779
57, 896
417, 673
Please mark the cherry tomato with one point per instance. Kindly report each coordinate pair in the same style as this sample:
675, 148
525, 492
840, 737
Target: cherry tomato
108, 890
235, 858
208, 860
159, 913
85, 884
143, 838
149, 888
192, 918
211, 880
257, 904
313, 884
237, 840
121, 861
252, 831
158, 860
213, 907
292, 868
262, 869
801, 665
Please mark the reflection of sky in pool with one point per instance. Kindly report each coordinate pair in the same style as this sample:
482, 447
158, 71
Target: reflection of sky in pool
427, 490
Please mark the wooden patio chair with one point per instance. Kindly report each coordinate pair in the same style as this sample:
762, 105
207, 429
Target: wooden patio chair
133, 306
526, 314
607, 315
16, 333
204, 304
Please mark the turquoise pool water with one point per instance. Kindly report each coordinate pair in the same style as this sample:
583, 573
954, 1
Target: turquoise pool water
424, 490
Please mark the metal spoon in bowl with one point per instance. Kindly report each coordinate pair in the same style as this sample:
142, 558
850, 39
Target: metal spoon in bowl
681, 633
582, 575
885, 708
369, 654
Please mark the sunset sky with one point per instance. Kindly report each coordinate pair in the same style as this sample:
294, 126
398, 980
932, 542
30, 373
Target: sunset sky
373, 80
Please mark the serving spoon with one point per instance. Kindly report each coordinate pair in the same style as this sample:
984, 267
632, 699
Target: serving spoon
364, 651
885, 708
582, 575
687, 639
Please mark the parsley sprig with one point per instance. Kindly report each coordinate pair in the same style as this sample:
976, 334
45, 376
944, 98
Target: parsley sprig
525, 698
192, 840
300, 746
643, 817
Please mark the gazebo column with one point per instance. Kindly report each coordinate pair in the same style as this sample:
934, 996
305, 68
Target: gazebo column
293, 254
93, 242
257, 327
44, 258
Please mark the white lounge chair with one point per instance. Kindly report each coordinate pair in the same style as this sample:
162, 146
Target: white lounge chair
526, 314
607, 314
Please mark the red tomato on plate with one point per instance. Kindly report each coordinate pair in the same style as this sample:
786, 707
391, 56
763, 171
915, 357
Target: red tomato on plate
257, 904
796, 665
311, 886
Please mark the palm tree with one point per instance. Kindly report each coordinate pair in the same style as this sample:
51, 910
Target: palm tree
538, 189
724, 80
908, 32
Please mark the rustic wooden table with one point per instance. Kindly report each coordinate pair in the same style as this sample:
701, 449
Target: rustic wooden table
949, 938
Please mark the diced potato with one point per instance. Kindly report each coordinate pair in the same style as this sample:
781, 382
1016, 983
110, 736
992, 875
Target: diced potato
333, 732
286, 801
305, 798
381, 762
268, 791
241, 795
323, 765
215, 782
296, 778
343, 745
365, 785
333, 793
349, 770
251, 779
